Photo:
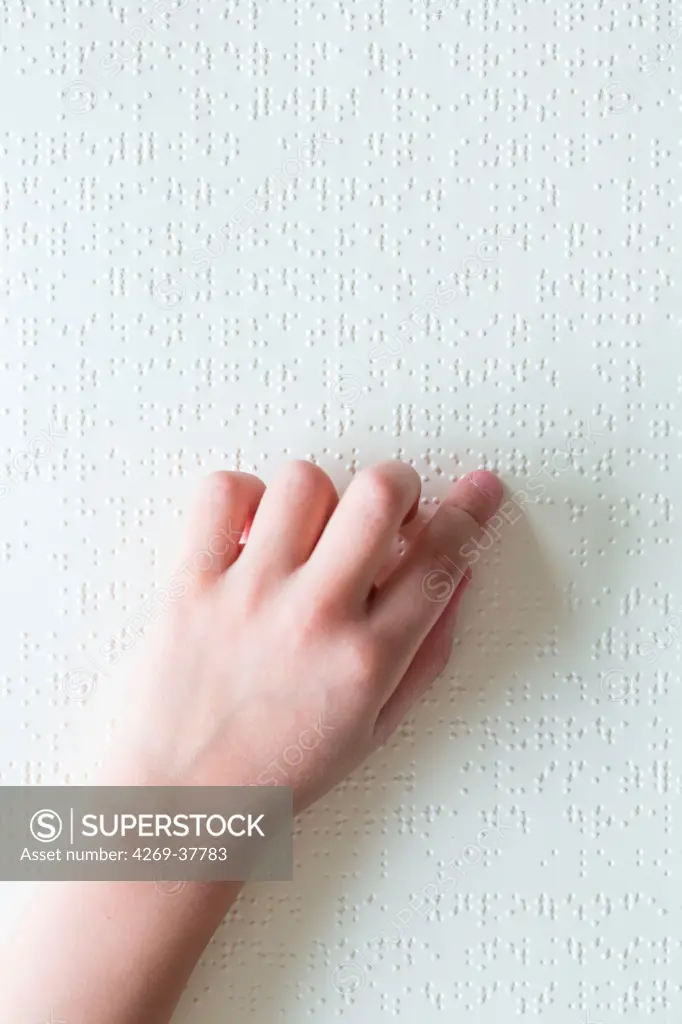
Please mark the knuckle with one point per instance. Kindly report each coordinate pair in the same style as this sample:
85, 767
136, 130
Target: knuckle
363, 661
458, 519
452, 528
318, 621
381, 492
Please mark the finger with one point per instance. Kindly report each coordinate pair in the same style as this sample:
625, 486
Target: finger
358, 537
290, 519
412, 600
226, 503
425, 667
403, 543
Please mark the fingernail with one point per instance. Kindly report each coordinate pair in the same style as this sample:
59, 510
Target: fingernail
487, 482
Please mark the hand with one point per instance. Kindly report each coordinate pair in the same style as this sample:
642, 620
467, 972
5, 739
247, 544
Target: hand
285, 659
288, 658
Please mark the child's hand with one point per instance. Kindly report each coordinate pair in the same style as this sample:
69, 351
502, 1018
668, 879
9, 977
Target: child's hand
286, 661
290, 658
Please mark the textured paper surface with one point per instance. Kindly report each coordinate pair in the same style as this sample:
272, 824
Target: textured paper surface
555, 125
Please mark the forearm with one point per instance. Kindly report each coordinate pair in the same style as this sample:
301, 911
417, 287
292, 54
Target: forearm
111, 952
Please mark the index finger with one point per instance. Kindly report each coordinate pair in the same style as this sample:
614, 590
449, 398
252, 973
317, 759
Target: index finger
412, 600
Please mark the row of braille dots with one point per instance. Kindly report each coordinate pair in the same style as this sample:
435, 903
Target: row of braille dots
37, 772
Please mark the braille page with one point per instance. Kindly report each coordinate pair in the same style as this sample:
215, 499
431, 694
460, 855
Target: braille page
350, 230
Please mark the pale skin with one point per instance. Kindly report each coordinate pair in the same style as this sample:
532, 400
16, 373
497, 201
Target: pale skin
354, 638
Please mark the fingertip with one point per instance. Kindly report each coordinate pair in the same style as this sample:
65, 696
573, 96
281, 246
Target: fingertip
223, 509
479, 494
488, 482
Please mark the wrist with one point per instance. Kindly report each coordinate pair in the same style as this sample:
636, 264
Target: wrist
141, 941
